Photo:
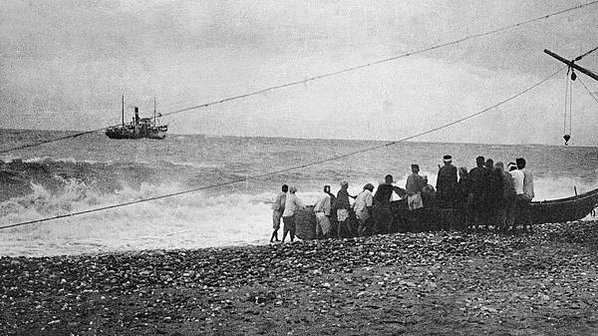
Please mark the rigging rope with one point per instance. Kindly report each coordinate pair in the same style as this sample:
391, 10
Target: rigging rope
571, 104
565, 105
284, 170
330, 74
569, 96
578, 58
385, 60
588, 90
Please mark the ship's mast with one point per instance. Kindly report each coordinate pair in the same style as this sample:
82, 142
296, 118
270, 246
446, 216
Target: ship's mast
154, 110
123, 111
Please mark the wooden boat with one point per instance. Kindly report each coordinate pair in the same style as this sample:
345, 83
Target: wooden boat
550, 211
564, 209
139, 128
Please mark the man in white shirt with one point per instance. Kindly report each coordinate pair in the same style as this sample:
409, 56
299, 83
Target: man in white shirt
277, 210
522, 211
528, 192
288, 216
322, 211
518, 178
528, 181
363, 208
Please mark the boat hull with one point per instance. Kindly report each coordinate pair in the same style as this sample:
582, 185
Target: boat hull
565, 209
553, 211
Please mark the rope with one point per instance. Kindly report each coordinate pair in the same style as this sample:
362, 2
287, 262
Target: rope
330, 74
284, 170
35, 144
588, 90
570, 107
384, 60
565, 104
578, 58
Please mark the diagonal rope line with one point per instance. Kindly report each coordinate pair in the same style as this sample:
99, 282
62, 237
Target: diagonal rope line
587, 89
578, 58
384, 60
330, 74
35, 144
284, 170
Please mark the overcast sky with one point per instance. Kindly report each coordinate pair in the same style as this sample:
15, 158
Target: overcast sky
64, 65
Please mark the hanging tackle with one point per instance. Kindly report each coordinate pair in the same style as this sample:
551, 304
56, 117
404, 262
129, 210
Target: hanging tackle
568, 108
568, 87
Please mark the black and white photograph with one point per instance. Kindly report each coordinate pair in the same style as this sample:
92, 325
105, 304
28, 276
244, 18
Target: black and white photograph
299, 167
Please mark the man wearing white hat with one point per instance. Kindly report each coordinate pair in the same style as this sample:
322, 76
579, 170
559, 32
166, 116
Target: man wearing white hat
446, 184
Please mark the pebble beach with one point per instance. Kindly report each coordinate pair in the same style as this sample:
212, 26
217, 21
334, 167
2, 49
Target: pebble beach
543, 283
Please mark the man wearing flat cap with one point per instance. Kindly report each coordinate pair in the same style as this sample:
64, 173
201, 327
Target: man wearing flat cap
363, 209
414, 185
446, 184
342, 209
292, 205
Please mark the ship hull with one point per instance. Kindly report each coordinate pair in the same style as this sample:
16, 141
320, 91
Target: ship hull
131, 133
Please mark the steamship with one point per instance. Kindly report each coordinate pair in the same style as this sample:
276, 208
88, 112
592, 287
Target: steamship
139, 128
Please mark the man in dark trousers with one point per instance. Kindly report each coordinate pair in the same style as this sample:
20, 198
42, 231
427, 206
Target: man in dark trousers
479, 179
446, 184
277, 210
415, 203
342, 210
383, 216
495, 194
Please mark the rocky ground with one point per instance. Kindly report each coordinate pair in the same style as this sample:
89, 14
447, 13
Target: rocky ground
415, 284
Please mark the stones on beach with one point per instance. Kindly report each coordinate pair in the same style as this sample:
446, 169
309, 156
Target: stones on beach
327, 278
260, 297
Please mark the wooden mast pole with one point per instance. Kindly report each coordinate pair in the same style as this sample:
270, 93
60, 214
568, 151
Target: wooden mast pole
154, 110
572, 65
123, 111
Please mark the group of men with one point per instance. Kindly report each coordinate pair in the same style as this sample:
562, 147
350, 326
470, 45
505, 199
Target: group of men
365, 206
486, 195
285, 207
497, 196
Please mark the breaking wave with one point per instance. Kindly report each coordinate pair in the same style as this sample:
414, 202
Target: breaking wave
185, 221
236, 215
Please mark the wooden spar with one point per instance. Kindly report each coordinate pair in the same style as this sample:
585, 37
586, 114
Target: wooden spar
154, 110
572, 65
123, 111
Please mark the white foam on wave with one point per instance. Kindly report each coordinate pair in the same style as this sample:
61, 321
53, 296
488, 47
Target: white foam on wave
188, 221
72, 160
192, 220
62, 160
561, 186
196, 165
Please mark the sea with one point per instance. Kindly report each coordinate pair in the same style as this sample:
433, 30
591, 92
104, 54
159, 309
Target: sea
236, 179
